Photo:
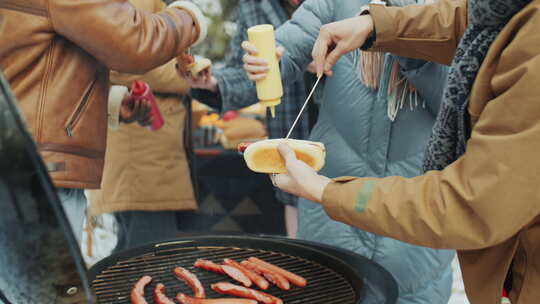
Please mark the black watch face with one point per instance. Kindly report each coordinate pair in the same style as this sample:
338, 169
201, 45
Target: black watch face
40, 261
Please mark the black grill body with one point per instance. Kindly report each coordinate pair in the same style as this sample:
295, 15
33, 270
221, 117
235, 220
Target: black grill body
40, 261
334, 275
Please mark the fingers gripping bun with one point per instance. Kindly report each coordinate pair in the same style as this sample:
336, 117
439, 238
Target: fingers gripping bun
263, 156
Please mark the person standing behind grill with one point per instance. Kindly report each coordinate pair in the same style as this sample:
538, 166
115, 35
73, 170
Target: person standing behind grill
368, 129
56, 55
146, 178
479, 193
228, 88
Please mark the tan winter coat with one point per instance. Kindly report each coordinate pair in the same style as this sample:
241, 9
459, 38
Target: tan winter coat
487, 203
148, 170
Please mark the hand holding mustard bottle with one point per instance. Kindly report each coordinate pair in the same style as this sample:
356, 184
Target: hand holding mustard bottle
269, 87
261, 63
255, 67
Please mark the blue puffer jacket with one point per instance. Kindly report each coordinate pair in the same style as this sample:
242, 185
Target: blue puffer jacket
362, 141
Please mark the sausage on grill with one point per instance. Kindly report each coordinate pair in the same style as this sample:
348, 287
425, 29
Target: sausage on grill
208, 265
279, 280
260, 281
230, 270
237, 275
191, 280
160, 297
137, 293
240, 291
185, 299
293, 278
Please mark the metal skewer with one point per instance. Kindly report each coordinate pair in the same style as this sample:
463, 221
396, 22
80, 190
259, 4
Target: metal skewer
303, 107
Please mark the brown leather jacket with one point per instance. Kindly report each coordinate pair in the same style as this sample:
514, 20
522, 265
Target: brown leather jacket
56, 55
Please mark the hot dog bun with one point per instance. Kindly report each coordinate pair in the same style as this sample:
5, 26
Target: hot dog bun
199, 66
194, 65
263, 156
242, 129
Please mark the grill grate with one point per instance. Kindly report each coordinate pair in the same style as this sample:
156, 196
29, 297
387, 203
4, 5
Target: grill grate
114, 284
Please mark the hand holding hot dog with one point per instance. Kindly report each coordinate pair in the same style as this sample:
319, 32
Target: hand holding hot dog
301, 179
257, 68
203, 80
338, 38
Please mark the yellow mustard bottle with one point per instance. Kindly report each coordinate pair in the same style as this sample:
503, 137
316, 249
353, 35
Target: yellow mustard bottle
269, 89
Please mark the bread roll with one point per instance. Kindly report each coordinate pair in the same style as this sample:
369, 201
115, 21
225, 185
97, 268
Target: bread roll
242, 129
188, 63
199, 66
264, 157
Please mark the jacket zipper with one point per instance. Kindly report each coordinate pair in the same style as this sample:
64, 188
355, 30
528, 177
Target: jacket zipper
79, 110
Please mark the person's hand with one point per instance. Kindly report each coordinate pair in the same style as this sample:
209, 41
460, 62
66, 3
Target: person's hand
301, 179
312, 68
204, 80
257, 68
338, 38
137, 110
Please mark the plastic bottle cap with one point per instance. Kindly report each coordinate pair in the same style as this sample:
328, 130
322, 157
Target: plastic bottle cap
261, 28
138, 88
272, 103
273, 111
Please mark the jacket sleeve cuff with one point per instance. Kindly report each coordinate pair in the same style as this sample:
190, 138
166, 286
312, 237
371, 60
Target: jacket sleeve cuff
116, 96
211, 99
197, 16
383, 26
338, 196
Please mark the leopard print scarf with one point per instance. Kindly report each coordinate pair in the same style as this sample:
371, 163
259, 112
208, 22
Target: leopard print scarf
452, 127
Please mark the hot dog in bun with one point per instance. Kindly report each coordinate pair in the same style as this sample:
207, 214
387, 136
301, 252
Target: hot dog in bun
263, 156
188, 63
199, 66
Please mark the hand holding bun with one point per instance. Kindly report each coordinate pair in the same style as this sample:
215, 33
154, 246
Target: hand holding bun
187, 63
197, 72
293, 164
264, 157
199, 66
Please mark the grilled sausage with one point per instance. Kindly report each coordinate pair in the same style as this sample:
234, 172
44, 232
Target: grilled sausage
208, 265
185, 299
231, 271
191, 280
293, 278
184, 61
159, 295
243, 146
137, 293
240, 291
260, 281
279, 280
237, 275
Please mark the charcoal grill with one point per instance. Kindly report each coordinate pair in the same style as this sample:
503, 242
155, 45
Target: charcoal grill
334, 275
40, 261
